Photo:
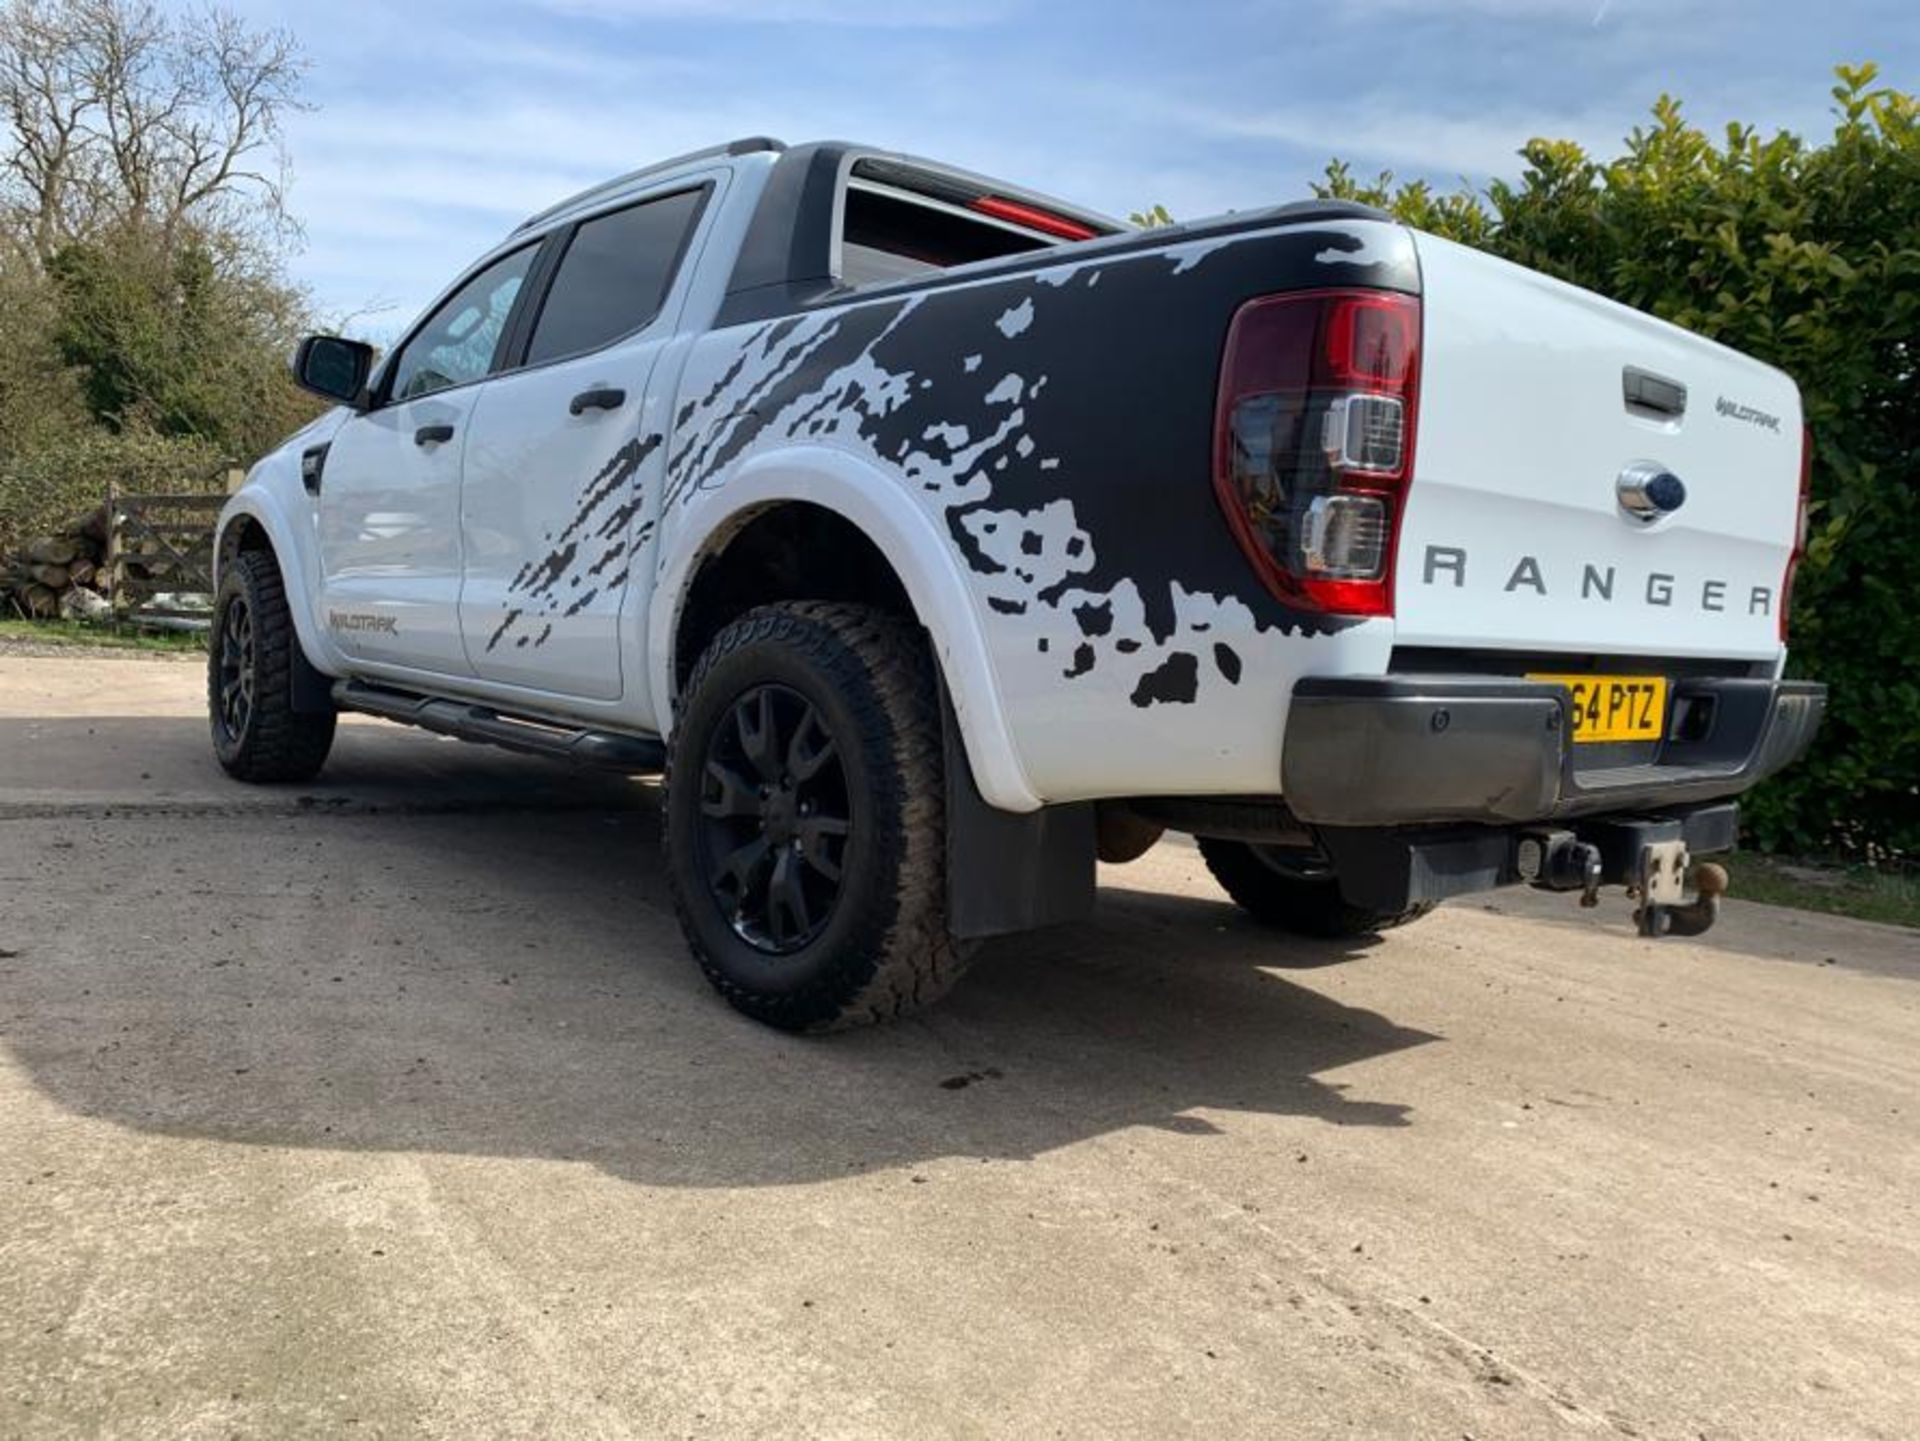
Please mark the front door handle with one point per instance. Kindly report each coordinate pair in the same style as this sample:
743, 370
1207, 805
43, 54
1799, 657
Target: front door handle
433, 434
601, 397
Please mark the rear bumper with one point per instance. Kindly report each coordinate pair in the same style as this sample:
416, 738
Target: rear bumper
1417, 750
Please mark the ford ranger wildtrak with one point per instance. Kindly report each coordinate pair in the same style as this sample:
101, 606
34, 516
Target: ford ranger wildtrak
935, 538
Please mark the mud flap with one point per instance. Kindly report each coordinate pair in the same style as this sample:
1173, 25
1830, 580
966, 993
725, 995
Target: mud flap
1006, 871
312, 690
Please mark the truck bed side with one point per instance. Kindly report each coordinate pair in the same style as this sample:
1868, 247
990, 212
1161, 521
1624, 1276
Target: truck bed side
1054, 418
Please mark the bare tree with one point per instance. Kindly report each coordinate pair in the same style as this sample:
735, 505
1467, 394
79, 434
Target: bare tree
122, 114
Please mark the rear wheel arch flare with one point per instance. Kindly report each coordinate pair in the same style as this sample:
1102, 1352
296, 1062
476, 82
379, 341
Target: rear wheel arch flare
916, 570
781, 551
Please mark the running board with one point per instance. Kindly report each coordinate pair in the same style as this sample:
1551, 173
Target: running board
602, 750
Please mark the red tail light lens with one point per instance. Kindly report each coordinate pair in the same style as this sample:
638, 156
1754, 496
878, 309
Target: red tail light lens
1799, 526
1313, 442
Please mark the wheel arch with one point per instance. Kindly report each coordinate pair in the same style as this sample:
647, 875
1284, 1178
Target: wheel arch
252, 521
833, 492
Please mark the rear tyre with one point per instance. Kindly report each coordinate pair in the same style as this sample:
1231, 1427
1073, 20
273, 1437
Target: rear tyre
1294, 890
805, 820
257, 734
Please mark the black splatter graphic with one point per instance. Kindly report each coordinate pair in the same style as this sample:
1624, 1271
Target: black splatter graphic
1070, 461
1094, 619
582, 551
1176, 681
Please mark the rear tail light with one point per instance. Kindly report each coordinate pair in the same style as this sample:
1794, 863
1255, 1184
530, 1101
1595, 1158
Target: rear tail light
1799, 526
1313, 442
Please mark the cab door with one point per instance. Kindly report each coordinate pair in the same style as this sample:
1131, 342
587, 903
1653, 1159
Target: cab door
563, 452
388, 500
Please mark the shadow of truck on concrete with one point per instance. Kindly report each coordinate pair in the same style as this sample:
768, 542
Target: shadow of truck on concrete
508, 980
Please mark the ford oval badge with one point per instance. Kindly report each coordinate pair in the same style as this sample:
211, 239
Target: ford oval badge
1648, 491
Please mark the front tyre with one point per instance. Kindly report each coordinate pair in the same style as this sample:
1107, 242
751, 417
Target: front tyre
257, 734
1294, 891
805, 823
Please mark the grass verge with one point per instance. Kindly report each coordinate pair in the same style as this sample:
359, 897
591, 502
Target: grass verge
1861, 892
101, 637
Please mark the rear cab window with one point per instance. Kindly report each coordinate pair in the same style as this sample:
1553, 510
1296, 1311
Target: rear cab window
614, 275
901, 223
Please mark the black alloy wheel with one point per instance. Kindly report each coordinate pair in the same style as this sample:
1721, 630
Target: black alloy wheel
237, 667
805, 817
776, 819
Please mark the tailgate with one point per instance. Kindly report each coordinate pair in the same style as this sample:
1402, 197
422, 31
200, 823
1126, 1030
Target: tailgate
1535, 399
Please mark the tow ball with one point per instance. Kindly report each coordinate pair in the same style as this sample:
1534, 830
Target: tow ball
1663, 909
1654, 873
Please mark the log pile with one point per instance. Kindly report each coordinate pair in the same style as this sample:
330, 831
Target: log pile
61, 575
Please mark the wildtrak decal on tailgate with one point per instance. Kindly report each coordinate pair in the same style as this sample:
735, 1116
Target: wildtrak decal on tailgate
1060, 426
1734, 410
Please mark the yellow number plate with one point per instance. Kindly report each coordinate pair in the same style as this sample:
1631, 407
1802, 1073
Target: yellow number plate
1615, 707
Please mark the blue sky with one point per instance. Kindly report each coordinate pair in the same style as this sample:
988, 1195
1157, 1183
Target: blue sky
440, 124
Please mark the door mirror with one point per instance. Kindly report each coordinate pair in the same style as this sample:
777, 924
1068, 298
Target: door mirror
333, 367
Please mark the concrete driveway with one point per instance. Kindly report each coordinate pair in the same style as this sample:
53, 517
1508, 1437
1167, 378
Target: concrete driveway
392, 1107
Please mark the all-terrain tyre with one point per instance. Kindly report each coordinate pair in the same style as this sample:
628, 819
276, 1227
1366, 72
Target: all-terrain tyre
805, 825
1286, 888
257, 734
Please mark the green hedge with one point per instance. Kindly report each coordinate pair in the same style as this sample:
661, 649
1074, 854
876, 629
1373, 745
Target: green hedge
1806, 255
49, 487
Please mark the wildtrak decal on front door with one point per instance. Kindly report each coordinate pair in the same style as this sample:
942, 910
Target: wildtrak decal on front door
357, 620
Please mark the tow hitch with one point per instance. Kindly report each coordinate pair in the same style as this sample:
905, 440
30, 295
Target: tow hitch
1389, 868
1649, 857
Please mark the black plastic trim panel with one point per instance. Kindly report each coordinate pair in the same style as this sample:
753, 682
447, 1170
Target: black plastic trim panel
1410, 750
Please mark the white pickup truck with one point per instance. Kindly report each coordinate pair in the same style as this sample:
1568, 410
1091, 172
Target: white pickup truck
935, 538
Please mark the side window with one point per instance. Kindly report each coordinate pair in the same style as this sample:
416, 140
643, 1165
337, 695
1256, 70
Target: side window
614, 276
457, 342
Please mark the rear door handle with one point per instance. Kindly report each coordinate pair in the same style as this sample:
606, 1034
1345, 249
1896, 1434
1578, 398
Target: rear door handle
601, 397
433, 434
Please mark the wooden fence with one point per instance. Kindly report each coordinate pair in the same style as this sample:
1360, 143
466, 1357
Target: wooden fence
160, 554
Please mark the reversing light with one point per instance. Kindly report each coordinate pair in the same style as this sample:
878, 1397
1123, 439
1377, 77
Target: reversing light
1344, 537
1366, 433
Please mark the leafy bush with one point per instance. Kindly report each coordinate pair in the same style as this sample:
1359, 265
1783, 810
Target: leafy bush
145, 310
1808, 257
45, 489
181, 334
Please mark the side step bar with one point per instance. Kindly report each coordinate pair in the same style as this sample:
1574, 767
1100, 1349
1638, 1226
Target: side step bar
602, 750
